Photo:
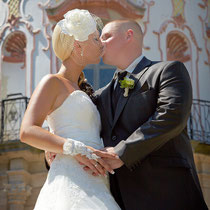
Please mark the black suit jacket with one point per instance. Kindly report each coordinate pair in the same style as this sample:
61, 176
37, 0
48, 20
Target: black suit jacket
148, 131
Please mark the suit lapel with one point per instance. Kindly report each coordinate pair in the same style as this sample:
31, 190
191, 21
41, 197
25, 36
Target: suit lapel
138, 72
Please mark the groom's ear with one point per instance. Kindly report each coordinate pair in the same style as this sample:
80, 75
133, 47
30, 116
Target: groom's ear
129, 34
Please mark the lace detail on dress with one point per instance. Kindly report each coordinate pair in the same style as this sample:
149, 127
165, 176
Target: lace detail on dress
72, 147
68, 186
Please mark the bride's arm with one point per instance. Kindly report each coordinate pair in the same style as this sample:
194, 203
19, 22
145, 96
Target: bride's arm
40, 105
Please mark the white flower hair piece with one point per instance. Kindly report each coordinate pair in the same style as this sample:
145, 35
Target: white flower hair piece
78, 23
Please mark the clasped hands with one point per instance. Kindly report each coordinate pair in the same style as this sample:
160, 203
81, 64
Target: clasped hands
108, 161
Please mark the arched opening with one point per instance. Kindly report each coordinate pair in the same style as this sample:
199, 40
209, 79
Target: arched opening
178, 47
13, 65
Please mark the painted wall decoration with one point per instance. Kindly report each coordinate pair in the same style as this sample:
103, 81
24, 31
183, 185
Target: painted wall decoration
178, 47
162, 29
28, 18
178, 22
205, 21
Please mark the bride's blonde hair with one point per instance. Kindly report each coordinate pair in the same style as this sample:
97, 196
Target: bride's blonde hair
63, 46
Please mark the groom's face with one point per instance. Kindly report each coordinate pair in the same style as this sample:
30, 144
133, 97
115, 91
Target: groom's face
113, 39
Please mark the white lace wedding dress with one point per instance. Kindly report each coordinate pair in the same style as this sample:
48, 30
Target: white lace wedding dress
67, 185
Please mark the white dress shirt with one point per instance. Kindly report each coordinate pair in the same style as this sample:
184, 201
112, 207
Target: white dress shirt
129, 69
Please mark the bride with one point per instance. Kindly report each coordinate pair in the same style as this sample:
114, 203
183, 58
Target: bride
64, 100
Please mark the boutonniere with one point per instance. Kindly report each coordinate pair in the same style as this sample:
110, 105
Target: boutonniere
127, 84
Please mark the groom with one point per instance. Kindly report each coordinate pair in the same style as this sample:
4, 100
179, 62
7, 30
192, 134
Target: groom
147, 128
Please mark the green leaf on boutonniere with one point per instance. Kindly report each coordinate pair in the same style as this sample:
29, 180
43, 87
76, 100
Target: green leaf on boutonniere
127, 84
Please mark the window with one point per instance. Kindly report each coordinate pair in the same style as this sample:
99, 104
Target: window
99, 75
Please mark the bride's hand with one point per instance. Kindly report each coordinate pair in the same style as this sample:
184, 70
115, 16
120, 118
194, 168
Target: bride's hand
93, 165
98, 167
104, 155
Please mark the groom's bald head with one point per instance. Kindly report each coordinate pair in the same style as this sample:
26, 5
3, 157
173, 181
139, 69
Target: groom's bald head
126, 25
123, 38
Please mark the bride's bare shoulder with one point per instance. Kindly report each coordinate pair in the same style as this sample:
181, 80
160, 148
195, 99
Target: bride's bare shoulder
51, 81
49, 85
50, 78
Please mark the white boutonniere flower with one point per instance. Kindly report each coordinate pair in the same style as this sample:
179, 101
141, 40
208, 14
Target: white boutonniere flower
78, 23
127, 84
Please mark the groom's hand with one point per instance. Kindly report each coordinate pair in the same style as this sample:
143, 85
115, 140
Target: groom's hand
114, 163
50, 156
92, 165
99, 167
